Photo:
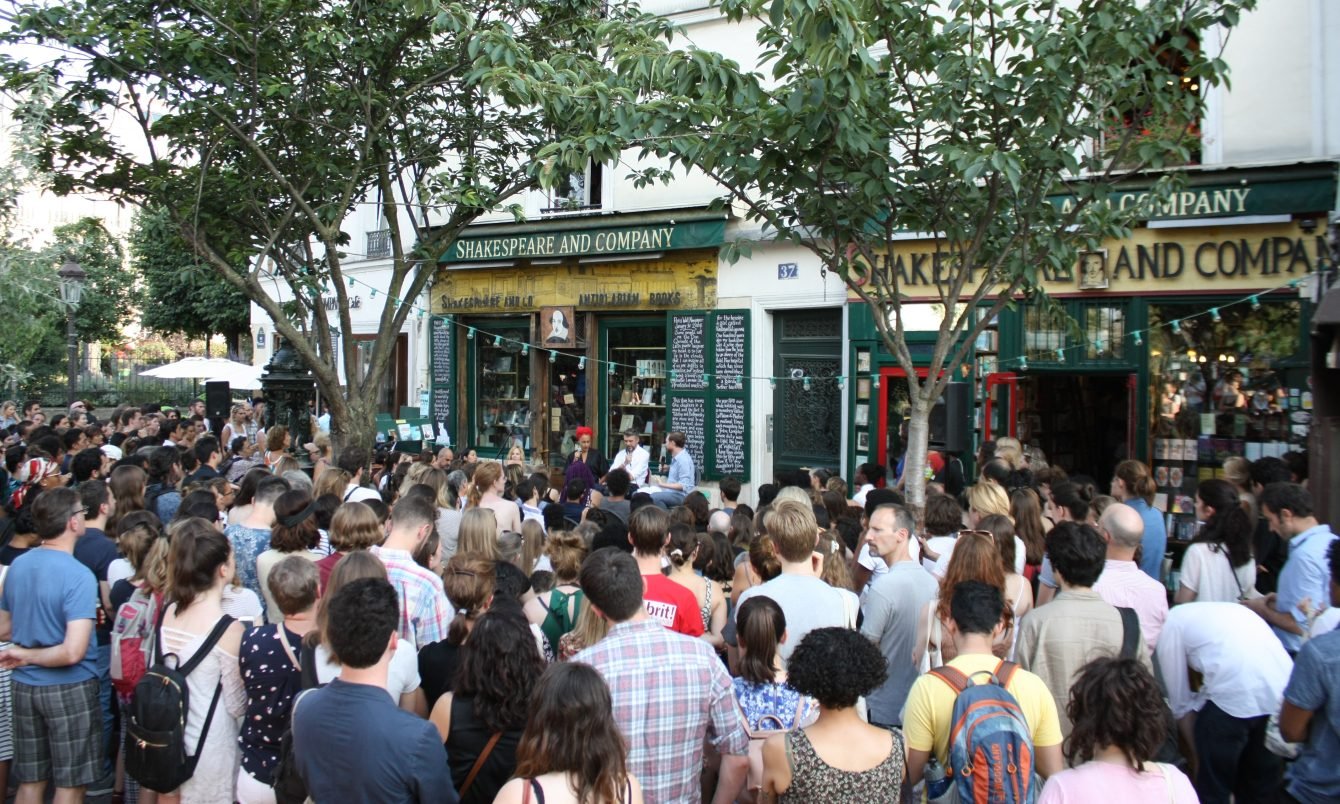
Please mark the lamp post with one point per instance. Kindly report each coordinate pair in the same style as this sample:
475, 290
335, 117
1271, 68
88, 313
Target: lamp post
72, 278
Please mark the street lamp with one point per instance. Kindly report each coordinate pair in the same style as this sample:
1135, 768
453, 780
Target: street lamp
72, 278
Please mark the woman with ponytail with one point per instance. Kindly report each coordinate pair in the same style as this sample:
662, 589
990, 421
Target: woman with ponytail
1219, 566
201, 564
469, 580
486, 487
1134, 485
684, 550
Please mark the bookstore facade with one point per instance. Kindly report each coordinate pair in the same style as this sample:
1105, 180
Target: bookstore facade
607, 323
1181, 345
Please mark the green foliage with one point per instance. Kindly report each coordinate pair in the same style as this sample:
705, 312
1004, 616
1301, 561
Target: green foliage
867, 119
179, 293
264, 126
104, 306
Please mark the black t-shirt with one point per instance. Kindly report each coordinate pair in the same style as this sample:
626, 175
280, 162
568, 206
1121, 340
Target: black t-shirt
97, 552
9, 552
437, 670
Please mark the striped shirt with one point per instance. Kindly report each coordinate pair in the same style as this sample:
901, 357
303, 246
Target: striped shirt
424, 612
666, 689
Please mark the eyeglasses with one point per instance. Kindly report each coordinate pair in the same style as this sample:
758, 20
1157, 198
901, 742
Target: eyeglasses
78, 512
988, 534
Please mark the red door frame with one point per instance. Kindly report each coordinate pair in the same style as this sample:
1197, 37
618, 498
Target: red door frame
888, 374
1012, 421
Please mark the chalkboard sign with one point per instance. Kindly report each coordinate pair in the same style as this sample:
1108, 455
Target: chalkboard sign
713, 415
729, 454
729, 332
688, 352
442, 379
688, 414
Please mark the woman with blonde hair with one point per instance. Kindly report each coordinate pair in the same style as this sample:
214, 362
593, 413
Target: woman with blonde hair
1011, 452
332, 481
478, 533
470, 579
556, 611
318, 450
836, 572
486, 487
590, 629
532, 538
448, 512
989, 499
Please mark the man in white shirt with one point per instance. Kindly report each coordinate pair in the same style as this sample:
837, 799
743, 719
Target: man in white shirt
1244, 670
633, 459
352, 460
1123, 583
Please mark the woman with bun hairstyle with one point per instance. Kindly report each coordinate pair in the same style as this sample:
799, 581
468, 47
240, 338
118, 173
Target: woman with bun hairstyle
556, 611
1070, 502
1219, 565
683, 550
201, 562
571, 750
469, 579
486, 488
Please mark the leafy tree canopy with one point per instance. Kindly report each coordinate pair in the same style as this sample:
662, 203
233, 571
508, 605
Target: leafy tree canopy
874, 120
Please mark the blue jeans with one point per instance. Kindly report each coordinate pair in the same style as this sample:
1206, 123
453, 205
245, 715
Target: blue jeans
105, 700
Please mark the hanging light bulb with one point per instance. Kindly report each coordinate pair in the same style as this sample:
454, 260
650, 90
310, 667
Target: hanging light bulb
739, 379
1256, 302
553, 356
497, 340
581, 363
874, 381
469, 333
1060, 355
772, 383
1023, 364
1138, 340
611, 369
351, 281
525, 349
707, 378
1177, 327
806, 384
1214, 314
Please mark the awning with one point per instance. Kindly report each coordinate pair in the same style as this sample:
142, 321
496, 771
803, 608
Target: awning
593, 236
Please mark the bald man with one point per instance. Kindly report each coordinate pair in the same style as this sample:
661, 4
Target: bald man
719, 522
1122, 582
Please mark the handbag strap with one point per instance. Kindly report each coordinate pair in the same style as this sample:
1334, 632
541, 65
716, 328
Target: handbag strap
479, 763
288, 649
1233, 571
1130, 633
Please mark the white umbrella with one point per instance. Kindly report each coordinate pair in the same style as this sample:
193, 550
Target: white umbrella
237, 374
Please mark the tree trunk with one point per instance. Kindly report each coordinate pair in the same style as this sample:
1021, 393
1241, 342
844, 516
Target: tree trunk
353, 423
918, 439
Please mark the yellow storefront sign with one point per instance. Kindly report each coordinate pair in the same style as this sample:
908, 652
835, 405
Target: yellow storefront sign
1151, 261
686, 280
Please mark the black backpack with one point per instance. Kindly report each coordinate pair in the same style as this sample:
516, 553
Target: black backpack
156, 718
287, 783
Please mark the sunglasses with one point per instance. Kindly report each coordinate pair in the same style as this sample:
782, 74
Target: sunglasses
988, 534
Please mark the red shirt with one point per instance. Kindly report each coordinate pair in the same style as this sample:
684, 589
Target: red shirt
672, 605
325, 567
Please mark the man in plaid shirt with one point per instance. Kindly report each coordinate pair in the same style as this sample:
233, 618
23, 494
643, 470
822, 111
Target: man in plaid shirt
666, 689
424, 612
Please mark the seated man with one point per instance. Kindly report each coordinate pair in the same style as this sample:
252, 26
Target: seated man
677, 484
351, 742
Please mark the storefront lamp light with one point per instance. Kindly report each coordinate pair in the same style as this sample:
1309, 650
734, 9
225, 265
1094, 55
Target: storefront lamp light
1136, 336
613, 366
1214, 314
553, 356
1060, 355
806, 384
874, 382
581, 363
1023, 364
707, 378
1177, 327
1201, 359
772, 383
1256, 302
469, 333
525, 349
842, 382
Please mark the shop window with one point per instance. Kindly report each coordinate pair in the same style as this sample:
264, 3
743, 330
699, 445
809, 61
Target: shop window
394, 390
637, 387
1104, 332
1044, 332
1135, 120
502, 406
1220, 388
578, 190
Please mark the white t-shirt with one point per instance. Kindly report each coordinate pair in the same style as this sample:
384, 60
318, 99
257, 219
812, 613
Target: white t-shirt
119, 570
356, 493
402, 677
1207, 571
807, 603
941, 567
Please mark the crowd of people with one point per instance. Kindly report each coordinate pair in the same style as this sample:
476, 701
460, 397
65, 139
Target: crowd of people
378, 627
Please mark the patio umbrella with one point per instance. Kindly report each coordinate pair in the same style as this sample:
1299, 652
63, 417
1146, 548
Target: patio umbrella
238, 375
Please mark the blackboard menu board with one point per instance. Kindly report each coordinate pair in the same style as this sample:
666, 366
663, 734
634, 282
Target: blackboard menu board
729, 420
729, 333
688, 414
688, 352
713, 415
442, 379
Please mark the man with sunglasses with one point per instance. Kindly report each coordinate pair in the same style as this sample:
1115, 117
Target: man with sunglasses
47, 609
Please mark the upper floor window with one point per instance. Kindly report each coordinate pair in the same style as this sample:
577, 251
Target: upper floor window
579, 190
1134, 121
379, 244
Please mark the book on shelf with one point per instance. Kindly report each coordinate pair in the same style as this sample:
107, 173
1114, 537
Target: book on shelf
626, 422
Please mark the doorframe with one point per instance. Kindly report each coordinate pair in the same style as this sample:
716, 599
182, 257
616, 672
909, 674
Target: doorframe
772, 414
